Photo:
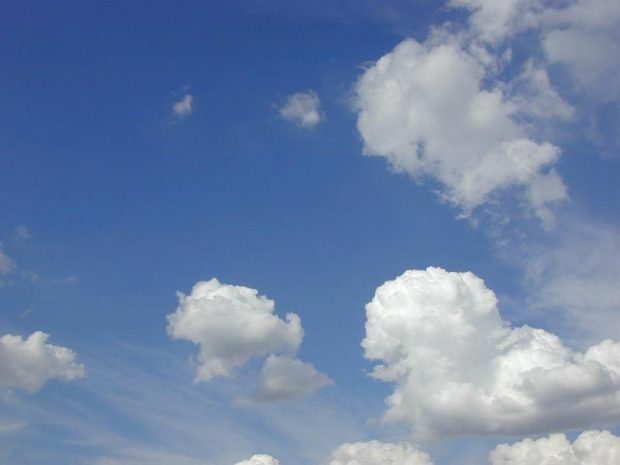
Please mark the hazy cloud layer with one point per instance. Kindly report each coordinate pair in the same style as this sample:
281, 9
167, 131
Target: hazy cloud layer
379, 453
424, 108
302, 109
577, 274
590, 448
458, 368
29, 363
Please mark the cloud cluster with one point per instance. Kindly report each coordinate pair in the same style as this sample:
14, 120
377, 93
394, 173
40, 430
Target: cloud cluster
260, 460
233, 324
379, 453
425, 109
458, 368
590, 448
302, 109
29, 363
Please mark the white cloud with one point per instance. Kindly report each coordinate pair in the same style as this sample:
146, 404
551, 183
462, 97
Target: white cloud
231, 324
379, 453
424, 108
577, 274
460, 369
7, 265
303, 109
590, 448
260, 460
288, 378
29, 363
184, 106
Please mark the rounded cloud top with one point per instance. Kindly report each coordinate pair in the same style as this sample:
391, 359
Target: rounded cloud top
460, 369
232, 324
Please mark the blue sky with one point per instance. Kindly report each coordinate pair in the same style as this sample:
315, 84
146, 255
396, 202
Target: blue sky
300, 166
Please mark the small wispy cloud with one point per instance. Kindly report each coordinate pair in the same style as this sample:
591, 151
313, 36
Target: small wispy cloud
183, 107
7, 265
302, 109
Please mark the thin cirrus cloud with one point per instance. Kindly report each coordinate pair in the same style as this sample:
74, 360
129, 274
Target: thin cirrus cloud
460, 369
233, 324
7, 264
29, 363
590, 448
379, 453
302, 109
423, 108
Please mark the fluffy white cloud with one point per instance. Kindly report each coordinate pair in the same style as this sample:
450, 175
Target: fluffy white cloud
231, 324
460, 369
260, 460
288, 378
379, 453
184, 106
29, 363
303, 109
424, 108
590, 448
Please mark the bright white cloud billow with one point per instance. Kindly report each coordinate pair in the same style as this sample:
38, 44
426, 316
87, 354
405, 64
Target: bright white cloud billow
460, 369
288, 378
302, 109
233, 324
590, 448
379, 453
29, 363
260, 459
184, 106
424, 108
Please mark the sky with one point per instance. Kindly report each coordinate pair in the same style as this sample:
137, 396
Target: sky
267, 232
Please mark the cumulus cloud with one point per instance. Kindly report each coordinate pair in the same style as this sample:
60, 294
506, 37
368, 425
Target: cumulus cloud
379, 453
29, 363
233, 324
425, 109
458, 368
184, 106
302, 109
260, 460
590, 448
288, 378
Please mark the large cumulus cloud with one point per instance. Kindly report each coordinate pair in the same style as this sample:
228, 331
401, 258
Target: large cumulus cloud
233, 324
29, 363
458, 368
590, 448
425, 108
379, 453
